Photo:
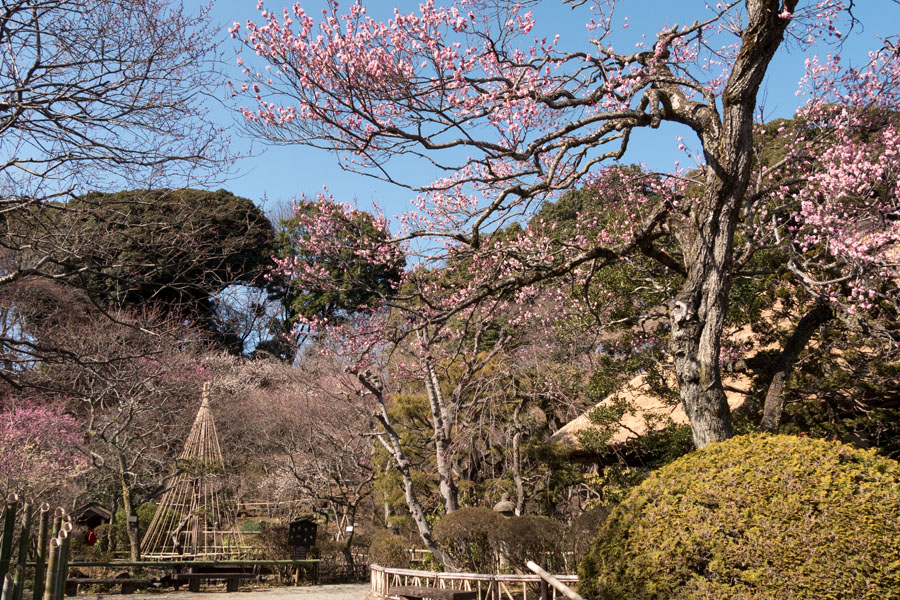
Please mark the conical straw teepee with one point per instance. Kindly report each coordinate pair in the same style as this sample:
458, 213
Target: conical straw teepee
189, 522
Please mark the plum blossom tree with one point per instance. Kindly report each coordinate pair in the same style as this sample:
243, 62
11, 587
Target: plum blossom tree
512, 120
388, 346
36, 449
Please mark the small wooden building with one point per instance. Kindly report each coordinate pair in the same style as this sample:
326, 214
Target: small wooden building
91, 515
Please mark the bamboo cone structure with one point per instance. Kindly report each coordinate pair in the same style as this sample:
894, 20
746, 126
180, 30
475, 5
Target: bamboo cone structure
189, 523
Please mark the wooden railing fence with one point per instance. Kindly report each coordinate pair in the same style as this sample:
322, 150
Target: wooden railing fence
489, 587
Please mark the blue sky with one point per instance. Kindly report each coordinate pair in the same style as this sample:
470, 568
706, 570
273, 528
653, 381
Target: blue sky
279, 173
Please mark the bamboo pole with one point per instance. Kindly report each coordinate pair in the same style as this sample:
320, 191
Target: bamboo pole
40, 555
9, 527
24, 540
58, 516
65, 535
52, 568
18, 578
556, 583
8, 585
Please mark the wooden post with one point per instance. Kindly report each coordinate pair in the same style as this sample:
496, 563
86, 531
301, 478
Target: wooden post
24, 542
52, 570
9, 527
40, 555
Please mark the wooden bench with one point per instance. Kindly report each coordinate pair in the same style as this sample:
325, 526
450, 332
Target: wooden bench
128, 585
194, 579
418, 592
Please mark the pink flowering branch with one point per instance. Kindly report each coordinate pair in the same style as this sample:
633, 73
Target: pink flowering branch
36, 448
512, 120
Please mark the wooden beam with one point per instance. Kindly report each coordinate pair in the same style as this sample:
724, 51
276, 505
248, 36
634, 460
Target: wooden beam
556, 583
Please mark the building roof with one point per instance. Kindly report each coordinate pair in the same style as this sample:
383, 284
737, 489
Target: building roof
649, 413
92, 508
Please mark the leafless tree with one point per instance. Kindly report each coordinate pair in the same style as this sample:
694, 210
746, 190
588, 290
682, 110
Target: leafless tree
130, 384
99, 95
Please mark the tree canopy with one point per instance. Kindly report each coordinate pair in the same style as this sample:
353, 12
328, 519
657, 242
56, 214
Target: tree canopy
512, 120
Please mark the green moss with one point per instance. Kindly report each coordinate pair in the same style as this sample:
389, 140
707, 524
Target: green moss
755, 517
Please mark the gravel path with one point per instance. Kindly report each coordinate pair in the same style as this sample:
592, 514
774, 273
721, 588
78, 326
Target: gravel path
355, 591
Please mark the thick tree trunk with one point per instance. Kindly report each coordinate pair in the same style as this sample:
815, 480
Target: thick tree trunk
707, 232
439, 418
412, 501
697, 322
804, 331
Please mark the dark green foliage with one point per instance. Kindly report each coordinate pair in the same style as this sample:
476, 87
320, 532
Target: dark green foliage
145, 514
104, 540
253, 526
467, 535
359, 283
556, 474
755, 517
852, 392
581, 533
176, 247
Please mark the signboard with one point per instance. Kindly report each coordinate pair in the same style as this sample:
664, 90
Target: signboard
302, 532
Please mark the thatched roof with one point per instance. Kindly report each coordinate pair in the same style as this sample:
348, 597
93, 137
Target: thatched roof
653, 413
648, 412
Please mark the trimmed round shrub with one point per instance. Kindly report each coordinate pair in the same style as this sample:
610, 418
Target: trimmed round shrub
389, 550
466, 534
755, 517
583, 530
530, 537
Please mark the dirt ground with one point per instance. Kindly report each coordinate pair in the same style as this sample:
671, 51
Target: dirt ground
355, 591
